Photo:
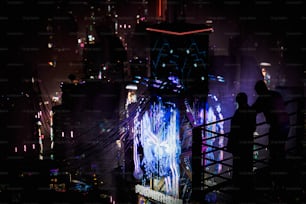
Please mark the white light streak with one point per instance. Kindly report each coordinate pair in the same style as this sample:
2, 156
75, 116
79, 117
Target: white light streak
159, 137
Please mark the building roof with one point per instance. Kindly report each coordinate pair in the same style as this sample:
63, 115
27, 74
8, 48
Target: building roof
179, 28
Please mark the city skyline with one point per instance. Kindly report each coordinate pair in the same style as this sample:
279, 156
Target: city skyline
263, 36
55, 53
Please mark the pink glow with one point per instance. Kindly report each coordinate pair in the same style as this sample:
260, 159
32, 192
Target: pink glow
179, 33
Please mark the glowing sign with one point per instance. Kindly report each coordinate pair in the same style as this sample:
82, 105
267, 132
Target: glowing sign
155, 195
157, 133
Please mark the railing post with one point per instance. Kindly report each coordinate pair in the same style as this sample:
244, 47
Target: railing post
300, 126
197, 168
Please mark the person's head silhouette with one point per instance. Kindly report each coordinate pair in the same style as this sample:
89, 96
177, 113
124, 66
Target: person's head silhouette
261, 87
242, 99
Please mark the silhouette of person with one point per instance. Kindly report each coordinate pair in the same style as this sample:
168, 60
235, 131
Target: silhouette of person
240, 144
271, 104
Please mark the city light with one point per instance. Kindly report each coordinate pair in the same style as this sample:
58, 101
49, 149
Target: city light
157, 131
109, 95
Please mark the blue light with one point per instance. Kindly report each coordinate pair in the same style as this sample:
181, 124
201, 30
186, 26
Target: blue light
158, 134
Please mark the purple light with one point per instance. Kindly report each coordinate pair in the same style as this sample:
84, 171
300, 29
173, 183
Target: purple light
157, 131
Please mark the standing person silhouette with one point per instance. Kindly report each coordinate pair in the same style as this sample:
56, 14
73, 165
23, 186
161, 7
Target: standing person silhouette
271, 104
240, 144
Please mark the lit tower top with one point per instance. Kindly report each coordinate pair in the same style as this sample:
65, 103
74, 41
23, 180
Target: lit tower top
179, 28
180, 50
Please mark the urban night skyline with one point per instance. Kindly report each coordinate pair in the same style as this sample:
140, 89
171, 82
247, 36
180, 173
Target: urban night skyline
91, 89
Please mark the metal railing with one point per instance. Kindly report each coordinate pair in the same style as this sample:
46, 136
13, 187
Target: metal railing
212, 178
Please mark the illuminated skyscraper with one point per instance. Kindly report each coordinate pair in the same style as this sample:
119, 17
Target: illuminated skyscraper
177, 85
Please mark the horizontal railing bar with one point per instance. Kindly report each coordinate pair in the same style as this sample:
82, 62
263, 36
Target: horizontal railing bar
263, 162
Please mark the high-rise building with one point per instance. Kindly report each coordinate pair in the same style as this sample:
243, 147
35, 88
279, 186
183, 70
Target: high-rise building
105, 58
177, 88
86, 128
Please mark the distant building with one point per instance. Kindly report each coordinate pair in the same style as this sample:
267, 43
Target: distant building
105, 58
86, 128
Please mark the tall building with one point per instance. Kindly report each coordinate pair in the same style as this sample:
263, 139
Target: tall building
86, 128
162, 118
105, 58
